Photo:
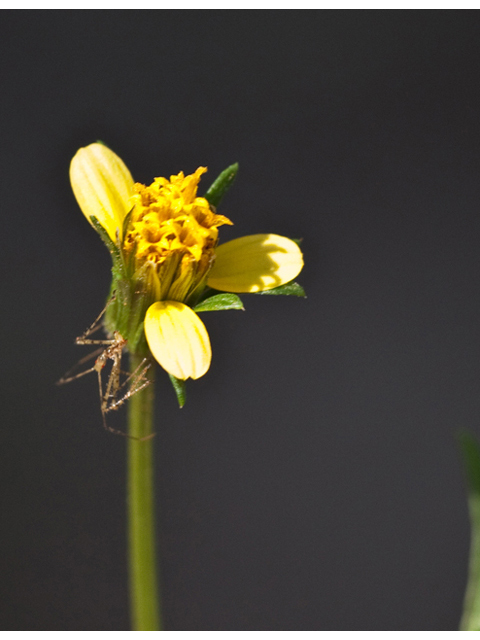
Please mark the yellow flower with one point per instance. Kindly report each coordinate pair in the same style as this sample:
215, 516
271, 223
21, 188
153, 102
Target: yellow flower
166, 237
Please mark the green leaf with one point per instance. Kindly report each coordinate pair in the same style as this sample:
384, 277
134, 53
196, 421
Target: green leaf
220, 302
297, 241
470, 450
221, 185
180, 389
289, 289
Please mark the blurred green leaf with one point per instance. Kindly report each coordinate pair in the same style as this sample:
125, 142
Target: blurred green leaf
289, 289
470, 449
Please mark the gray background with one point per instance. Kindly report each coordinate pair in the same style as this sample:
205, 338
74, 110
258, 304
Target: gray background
312, 481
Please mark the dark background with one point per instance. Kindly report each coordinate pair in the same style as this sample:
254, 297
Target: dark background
312, 481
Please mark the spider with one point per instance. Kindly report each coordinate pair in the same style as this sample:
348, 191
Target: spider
114, 395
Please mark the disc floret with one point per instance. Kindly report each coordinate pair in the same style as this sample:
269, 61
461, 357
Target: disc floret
175, 231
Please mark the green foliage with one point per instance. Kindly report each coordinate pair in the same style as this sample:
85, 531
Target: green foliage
470, 450
289, 289
220, 302
180, 389
221, 185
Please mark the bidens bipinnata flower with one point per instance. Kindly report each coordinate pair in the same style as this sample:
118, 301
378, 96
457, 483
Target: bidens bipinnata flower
167, 264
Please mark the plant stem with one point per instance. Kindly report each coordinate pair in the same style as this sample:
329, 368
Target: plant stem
144, 592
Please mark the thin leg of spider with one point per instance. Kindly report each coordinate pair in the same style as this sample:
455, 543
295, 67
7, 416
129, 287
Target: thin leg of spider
68, 377
104, 408
112, 348
138, 383
110, 401
95, 326
112, 351
113, 383
135, 374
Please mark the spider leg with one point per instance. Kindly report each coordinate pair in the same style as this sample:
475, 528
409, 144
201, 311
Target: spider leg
110, 349
95, 324
138, 382
68, 377
82, 340
135, 373
113, 380
104, 411
131, 392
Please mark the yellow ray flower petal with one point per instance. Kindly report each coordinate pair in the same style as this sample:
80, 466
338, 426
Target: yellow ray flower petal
255, 263
178, 339
102, 185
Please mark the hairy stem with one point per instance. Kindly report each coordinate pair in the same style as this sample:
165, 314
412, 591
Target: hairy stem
144, 592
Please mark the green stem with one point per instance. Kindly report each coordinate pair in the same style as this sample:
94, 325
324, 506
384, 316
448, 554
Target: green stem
144, 592
471, 609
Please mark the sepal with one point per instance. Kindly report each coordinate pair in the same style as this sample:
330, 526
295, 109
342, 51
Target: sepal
138, 344
111, 246
133, 296
126, 223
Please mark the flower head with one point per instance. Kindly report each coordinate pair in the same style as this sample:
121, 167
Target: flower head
167, 263
174, 230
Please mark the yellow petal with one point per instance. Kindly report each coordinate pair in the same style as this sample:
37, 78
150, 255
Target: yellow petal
255, 263
178, 339
102, 185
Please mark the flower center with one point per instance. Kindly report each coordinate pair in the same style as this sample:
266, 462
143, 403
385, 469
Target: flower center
174, 232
